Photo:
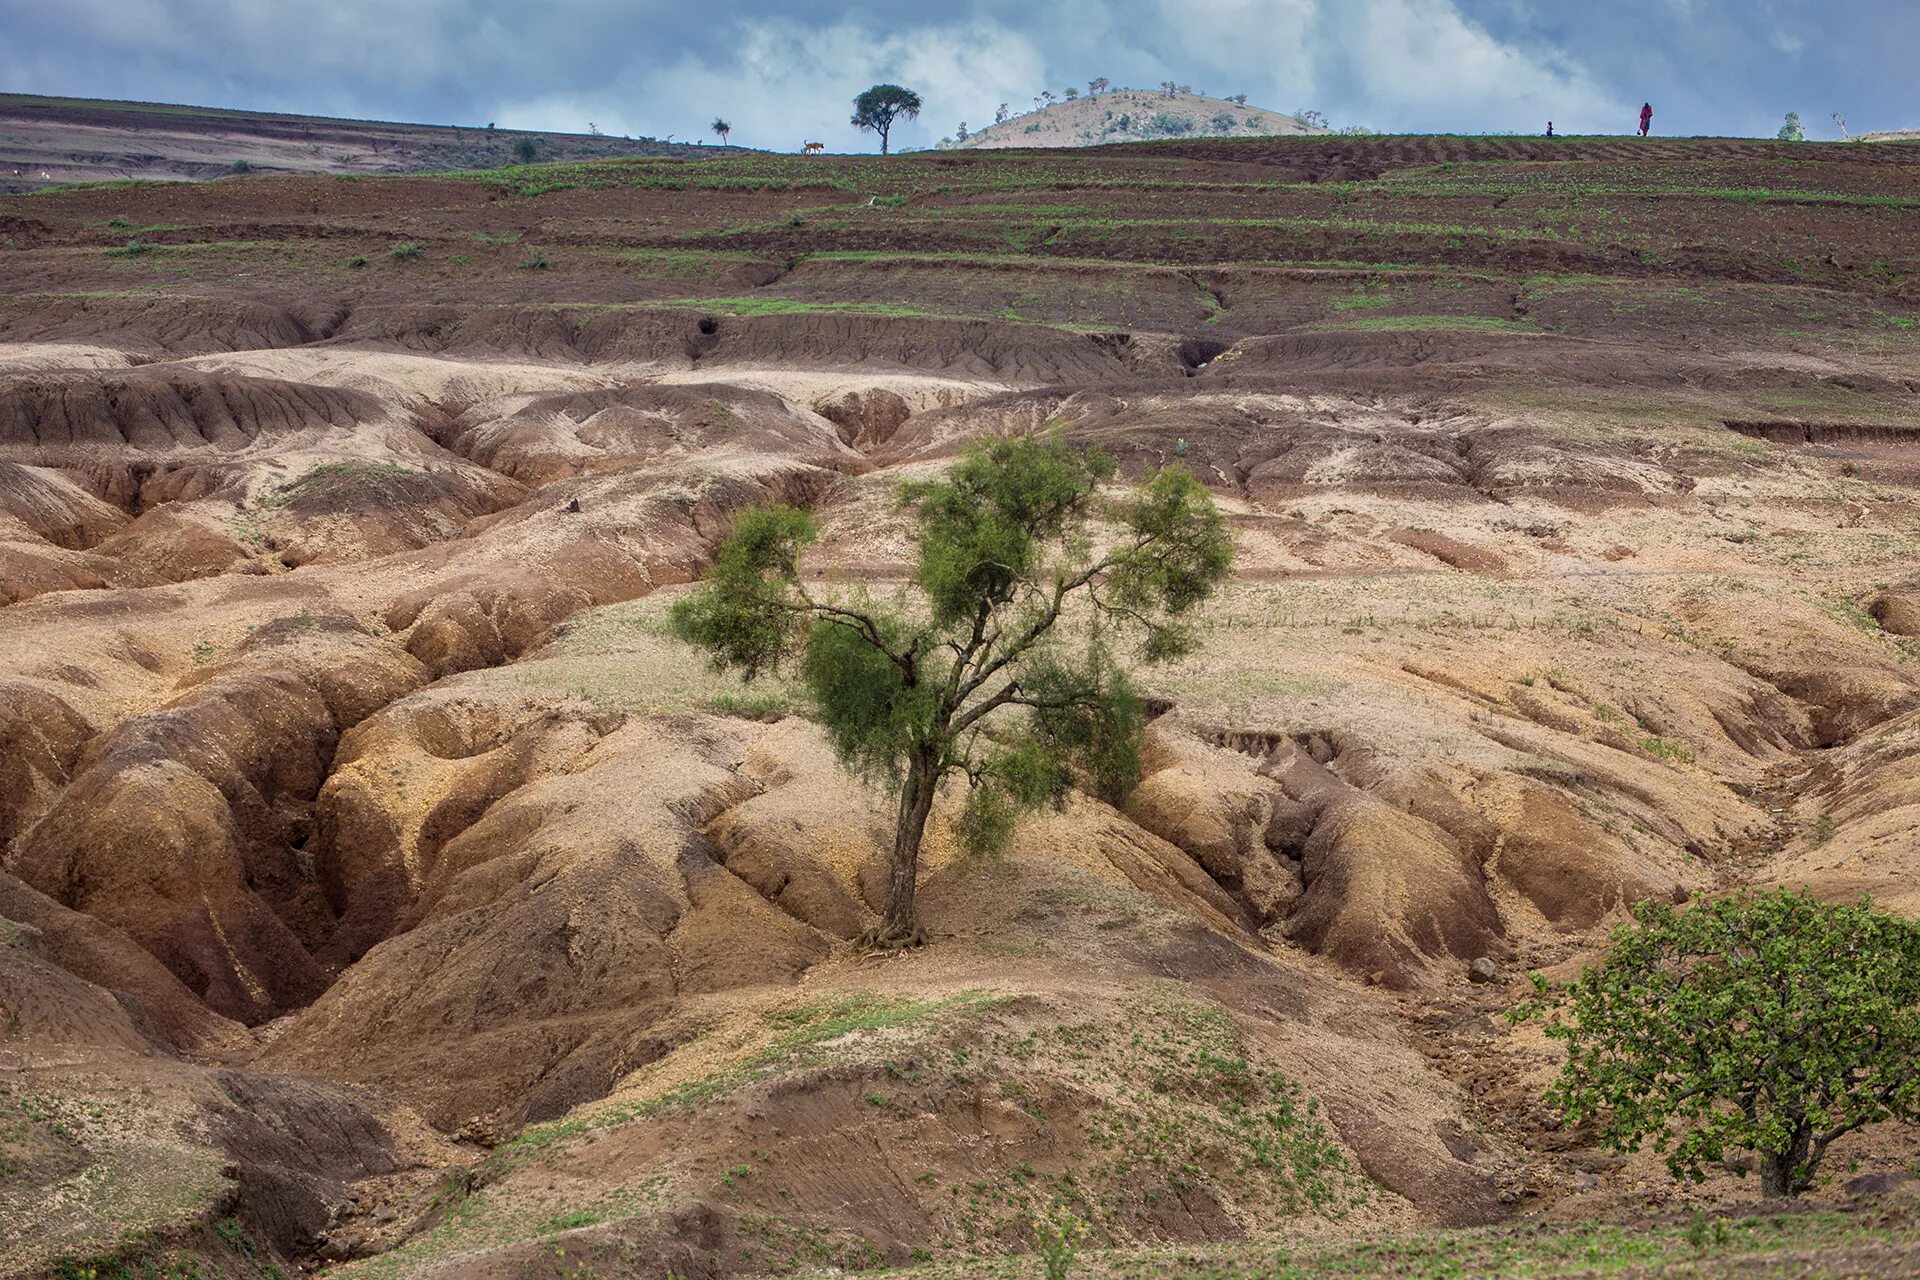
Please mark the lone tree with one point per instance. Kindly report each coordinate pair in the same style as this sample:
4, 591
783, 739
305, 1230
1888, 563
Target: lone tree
877, 109
1006, 668
1792, 130
1763, 1022
526, 149
721, 129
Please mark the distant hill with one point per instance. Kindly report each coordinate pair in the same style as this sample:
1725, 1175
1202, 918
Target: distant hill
1134, 115
48, 141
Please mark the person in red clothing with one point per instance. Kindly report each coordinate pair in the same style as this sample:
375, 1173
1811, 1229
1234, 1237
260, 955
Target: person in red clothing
1646, 118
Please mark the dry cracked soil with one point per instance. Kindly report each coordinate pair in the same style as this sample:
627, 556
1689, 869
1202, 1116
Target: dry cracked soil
383, 893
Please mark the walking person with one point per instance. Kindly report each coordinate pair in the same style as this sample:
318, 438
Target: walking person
1646, 118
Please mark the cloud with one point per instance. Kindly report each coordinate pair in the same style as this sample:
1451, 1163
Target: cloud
783, 70
780, 80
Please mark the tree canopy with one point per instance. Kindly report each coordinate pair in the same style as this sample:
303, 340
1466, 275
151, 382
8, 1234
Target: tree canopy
1004, 661
877, 109
1763, 1022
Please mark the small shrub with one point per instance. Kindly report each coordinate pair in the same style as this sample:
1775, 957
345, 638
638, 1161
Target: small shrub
1058, 1234
535, 261
357, 260
131, 249
411, 249
239, 166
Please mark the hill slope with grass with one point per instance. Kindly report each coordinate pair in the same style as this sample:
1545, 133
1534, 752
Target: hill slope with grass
1134, 115
46, 142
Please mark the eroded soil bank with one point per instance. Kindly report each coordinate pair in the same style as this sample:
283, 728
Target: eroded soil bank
382, 892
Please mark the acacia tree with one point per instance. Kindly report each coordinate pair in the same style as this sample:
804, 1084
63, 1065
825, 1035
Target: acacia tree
721, 129
1765, 1022
877, 109
1007, 667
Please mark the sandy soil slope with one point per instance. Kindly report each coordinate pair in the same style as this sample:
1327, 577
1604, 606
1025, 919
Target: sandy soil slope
382, 891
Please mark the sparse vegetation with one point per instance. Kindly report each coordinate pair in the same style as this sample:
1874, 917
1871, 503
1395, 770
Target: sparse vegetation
409, 249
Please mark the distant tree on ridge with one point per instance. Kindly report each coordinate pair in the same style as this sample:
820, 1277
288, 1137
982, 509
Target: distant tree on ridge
876, 110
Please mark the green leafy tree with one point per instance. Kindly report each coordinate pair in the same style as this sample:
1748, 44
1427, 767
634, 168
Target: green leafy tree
877, 109
1763, 1022
1792, 131
721, 129
1007, 666
526, 149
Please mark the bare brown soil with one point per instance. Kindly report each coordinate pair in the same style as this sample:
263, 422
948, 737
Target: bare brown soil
46, 142
380, 890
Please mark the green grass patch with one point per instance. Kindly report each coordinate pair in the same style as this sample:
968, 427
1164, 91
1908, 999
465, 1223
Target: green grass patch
1807, 1245
1426, 324
760, 306
802, 1038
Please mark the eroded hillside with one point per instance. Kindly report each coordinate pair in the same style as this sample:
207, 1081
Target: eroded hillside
383, 890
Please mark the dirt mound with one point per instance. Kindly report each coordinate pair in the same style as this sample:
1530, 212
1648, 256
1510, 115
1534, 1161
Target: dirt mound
547, 940
1846, 681
130, 1003
1897, 608
164, 412
163, 327
170, 545
33, 569
866, 419
40, 740
358, 510
1021, 355
48, 504
184, 827
557, 437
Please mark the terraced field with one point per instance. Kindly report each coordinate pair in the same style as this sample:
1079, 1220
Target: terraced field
383, 893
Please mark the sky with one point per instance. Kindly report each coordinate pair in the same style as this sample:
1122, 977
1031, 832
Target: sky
785, 71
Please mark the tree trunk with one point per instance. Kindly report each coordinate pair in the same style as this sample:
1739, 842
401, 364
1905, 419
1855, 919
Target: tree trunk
900, 927
883, 142
1789, 1172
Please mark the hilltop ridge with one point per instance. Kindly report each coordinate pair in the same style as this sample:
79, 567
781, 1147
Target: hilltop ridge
1134, 115
47, 142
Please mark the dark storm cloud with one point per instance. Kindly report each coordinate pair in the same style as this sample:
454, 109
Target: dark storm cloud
784, 70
